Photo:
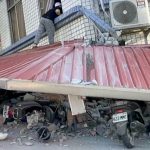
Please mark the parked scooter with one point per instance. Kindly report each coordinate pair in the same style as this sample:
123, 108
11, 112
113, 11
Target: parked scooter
126, 119
129, 122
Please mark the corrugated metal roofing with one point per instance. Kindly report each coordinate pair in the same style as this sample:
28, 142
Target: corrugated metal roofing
110, 66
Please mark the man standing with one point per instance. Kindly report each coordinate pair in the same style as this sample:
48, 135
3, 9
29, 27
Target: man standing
47, 24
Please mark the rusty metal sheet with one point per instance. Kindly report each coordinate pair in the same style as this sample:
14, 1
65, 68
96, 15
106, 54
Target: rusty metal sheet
109, 66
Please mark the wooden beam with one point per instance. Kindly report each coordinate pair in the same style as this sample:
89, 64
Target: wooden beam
76, 104
80, 90
3, 83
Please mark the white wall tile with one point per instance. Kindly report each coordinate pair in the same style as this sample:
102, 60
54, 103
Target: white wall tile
31, 15
4, 25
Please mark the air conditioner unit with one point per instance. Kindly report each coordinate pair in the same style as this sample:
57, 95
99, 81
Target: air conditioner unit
129, 13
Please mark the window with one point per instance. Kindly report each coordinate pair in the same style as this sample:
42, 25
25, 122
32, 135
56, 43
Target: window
43, 6
16, 19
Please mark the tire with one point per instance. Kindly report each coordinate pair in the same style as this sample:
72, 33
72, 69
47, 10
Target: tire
43, 133
128, 139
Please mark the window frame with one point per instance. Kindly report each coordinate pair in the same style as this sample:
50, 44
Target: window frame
49, 5
13, 7
42, 9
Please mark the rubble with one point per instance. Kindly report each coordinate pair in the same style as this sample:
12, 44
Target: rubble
107, 39
34, 119
93, 132
70, 121
52, 127
52, 121
62, 138
28, 143
100, 129
1, 120
82, 82
22, 131
19, 141
31, 138
3, 136
29, 97
13, 142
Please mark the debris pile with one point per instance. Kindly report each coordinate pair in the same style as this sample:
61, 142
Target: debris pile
33, 117
47, 116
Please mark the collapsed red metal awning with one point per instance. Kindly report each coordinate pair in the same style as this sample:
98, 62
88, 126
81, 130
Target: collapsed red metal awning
116, 71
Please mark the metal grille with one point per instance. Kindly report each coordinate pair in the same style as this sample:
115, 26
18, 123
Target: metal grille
125, 12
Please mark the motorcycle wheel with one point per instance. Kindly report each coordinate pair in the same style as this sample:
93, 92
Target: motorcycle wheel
128, 139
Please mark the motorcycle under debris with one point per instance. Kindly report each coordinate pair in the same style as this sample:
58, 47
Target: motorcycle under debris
126, 119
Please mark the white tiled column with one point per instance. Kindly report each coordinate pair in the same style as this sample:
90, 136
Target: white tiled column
80, 27
31, 15
4, 25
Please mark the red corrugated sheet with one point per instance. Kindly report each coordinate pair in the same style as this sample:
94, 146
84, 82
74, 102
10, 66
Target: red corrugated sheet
109, 65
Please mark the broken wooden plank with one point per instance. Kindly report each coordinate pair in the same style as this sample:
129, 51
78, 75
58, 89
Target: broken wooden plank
76, 104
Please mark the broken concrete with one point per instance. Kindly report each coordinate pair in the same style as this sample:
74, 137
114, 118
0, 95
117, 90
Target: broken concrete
33, 120
3, 136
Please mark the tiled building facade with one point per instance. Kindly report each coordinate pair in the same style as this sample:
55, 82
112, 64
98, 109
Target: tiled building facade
78, 28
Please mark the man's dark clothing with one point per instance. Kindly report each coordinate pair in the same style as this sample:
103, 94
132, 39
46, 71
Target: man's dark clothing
51, 14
